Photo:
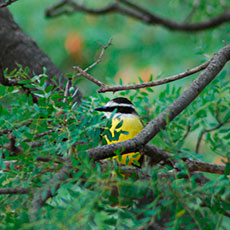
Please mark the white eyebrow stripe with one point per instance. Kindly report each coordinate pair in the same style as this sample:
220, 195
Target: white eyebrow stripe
115, 104
120, 115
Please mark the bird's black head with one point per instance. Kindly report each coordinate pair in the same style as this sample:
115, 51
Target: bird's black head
121, 104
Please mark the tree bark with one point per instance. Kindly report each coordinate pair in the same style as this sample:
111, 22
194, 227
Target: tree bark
18, 48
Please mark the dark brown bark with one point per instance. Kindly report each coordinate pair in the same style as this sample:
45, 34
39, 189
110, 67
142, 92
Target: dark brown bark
18, 48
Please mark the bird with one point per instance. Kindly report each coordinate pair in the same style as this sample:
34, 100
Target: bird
124, 120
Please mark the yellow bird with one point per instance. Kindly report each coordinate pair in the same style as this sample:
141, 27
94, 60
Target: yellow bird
125, 119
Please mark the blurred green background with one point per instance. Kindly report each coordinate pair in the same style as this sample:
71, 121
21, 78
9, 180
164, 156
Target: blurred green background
138, 49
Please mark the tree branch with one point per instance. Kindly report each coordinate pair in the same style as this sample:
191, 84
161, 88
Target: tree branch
5, 131
197, 165
154, 83
5, 191
7, 82
105, 88
204, 131
89, 77
194, 8
160, 122
4, 4
8, 131
39, 135
14, 82
17, 48
128, 8
99, 58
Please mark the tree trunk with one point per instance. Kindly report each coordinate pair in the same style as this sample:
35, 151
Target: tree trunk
18, 48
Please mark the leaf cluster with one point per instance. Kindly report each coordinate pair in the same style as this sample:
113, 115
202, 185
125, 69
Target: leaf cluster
97, 197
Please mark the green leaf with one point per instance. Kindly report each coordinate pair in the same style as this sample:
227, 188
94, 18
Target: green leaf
140, 79
119, 124
227, 169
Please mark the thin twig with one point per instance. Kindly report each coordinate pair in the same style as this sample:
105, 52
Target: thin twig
66, 90
13, 82
5, 131
157, 82
5, 191
99, 58
194, 8
204, 131
63, 8
4, 4
39, 135
7, 82
193, 165
89, 77
105, 88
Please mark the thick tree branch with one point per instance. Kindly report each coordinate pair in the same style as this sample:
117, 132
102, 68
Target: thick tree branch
154, 126
17, 48
128, 8
196, 165
157, 155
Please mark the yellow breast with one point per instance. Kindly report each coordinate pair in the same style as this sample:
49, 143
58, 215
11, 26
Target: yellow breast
131, 125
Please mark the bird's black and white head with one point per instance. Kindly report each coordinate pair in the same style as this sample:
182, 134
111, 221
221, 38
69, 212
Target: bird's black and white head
121, 105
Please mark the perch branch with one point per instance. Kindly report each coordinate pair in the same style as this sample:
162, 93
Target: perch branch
160, 122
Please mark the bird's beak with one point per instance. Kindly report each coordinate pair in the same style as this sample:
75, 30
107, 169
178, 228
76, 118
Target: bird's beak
100, 109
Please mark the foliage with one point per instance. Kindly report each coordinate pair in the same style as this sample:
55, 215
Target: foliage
87, 200
58, 127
